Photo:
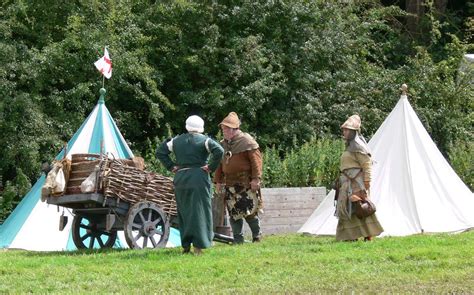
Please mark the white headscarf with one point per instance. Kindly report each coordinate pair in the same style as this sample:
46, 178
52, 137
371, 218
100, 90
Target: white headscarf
195, 124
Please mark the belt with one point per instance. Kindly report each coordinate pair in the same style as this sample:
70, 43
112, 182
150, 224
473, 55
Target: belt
187, 168
241, 177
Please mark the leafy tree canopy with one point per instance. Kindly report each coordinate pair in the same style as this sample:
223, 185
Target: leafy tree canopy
293, 70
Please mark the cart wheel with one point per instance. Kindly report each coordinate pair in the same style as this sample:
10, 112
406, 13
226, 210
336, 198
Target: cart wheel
146, 221
86, 235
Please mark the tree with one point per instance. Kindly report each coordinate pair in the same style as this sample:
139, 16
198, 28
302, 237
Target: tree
292, 70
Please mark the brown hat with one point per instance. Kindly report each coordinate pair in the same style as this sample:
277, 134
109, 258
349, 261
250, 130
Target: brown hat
352, 123
231, 121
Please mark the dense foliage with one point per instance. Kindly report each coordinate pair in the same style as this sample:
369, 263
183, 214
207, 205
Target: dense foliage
294, 70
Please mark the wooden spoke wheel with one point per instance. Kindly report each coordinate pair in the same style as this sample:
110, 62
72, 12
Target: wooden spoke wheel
146, 226
86, 234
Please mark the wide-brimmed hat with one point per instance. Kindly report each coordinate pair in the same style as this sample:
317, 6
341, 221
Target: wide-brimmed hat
231, 121
195, 124
353, 123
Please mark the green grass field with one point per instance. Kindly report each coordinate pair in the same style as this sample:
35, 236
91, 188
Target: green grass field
280, 264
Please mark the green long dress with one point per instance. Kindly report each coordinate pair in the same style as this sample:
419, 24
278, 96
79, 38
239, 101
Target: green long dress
192, 184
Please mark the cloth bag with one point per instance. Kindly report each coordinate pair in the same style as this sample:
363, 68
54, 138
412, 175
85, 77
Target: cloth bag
88, 185
60, 182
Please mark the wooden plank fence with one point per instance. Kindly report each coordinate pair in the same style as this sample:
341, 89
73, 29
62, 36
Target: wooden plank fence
285, 209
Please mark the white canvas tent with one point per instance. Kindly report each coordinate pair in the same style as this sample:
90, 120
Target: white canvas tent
469, 58
34, 225
414, 188
466, 69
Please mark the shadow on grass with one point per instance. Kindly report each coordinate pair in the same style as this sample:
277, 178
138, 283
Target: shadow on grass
129, 253
278, 243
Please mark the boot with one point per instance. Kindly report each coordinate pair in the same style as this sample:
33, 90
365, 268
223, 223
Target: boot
254, 224
186, 250
237, 231
197, 251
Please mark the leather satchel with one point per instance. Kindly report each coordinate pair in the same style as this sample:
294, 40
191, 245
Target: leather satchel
364, 208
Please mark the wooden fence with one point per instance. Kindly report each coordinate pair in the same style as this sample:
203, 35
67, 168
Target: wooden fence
285, 209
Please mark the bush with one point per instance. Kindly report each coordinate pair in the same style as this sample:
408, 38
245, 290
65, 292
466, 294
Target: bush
12, 194
274, 170
462, 159
315, 163
6, 201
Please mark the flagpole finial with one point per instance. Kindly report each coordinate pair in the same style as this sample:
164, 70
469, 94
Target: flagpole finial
404, 89
102, 92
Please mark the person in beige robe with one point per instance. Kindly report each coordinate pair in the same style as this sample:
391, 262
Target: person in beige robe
354, 185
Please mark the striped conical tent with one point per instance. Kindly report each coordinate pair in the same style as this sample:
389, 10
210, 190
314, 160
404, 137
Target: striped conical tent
34, 225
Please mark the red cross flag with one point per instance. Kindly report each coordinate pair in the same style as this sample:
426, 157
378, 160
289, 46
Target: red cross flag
104, 64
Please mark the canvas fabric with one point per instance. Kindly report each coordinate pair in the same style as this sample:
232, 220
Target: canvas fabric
33, 225
412, 183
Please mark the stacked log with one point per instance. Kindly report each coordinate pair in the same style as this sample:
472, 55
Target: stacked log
133, 185
122, 178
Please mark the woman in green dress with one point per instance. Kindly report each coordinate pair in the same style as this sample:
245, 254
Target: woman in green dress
354, 185
192, 182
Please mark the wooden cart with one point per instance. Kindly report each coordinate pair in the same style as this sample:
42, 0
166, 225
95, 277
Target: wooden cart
127, 198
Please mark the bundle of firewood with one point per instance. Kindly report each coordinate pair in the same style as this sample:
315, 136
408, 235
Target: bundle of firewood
133, 185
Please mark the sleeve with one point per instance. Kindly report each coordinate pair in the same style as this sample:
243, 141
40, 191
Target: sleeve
216, 151
255, 157
366, 164
163, 154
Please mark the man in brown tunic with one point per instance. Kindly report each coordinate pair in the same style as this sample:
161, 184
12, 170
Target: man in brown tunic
238, 177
